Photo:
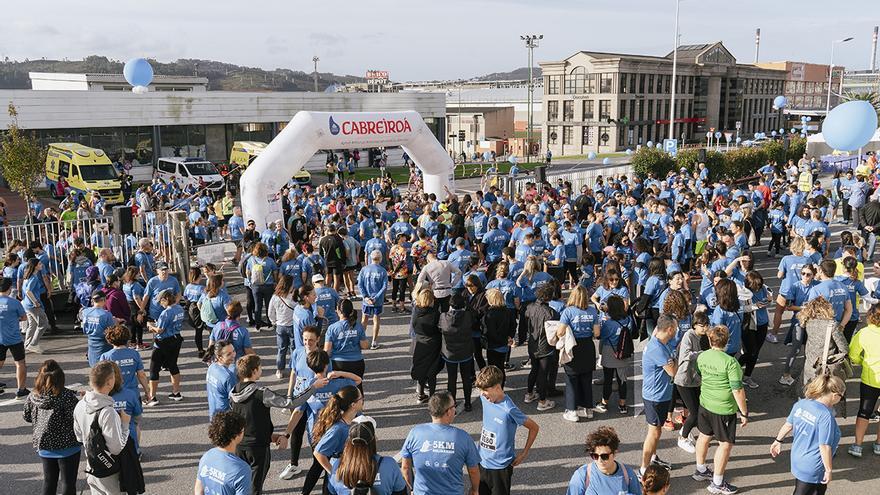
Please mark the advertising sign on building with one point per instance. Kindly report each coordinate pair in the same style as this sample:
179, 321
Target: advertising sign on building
797, 72
377, 75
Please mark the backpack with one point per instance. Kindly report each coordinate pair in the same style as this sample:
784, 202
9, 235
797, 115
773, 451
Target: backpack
207, 313
226, 331
257, 276
101, 462
624, 348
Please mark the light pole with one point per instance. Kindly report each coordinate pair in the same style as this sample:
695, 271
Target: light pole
674, 72
831, 71
531, 43
315, 59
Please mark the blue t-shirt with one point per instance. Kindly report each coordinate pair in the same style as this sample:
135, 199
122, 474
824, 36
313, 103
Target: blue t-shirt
333, 440
129, 400
129, 362
610, 330
155, 287
733, 322
834, 292
95, 321
814, 425
234, 333
219, 382
388, 480
498, 437
327, 298
147, 262
657, 384
580, 321
507, 289
319, 399
193, 292
438, 453
236, 225
654, 287
603, 484
304, 374
11, 312
855, 288
302, 317
132, 291
346, 340
34, 284
170, 321
218, 303
495, 241
222, 473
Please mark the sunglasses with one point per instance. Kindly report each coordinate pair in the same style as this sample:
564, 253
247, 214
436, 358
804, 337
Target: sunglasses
807, 274
604, 457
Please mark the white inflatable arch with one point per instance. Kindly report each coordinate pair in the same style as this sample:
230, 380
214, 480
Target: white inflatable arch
309, 132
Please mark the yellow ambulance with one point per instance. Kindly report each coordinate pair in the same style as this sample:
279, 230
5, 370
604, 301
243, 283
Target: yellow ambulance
83, 169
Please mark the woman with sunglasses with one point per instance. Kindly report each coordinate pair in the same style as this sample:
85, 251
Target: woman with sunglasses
612, 285
816, 435
605, 474
793, 300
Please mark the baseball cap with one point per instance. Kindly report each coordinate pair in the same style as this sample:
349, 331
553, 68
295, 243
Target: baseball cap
161, 265
317, 278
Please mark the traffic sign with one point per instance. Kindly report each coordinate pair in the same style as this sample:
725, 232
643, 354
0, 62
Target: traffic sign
670, 146
718, 135
461, 136
739, 124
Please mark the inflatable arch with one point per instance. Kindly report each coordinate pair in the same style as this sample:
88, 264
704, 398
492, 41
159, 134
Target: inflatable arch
309, 132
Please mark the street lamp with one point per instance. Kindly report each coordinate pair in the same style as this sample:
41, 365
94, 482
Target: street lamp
674, 72
531, 43
315, 60
831, 71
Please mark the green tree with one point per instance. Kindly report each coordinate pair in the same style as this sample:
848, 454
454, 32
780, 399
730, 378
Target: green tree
22, 159
651, 160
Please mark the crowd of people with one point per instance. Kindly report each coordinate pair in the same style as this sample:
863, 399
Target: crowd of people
656, 269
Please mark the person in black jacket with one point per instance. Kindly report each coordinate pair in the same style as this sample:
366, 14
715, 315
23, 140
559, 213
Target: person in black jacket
498, 329
478, 305
50, 409
254, 403
427, 342
870, 221
457, 326
543, 356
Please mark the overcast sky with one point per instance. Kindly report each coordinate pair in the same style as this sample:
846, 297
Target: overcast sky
422, 39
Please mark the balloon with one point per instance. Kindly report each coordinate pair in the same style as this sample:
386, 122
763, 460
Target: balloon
629, 151
591, 155
804, 118
850, 126
738, 140
793, 130
659, 146
606, 161
139, 89
650, 144
512, 159
773, 133
781, 131
780, 102
809, 118
138, 72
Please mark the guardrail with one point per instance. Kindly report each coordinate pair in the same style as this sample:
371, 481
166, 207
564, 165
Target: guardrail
577, 177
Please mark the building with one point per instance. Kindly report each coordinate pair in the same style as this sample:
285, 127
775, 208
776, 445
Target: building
861, 81
55, 81
144, 127
603, 102
806, 87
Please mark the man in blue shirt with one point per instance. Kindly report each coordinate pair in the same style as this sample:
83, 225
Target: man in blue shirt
434, 453
155, 286
833, 291
372, 283
493, 242
144, 260
658, 368
236, 231
11, 315
501, 417
220, 470
95, 321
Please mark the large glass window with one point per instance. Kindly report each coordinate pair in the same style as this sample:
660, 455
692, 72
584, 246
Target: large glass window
623, 83
567, 134
552, 110
604, 109
574, 83
606, 83
650, 110
650, 88
187, 140
603, 136
585, 135
588, 110
568, 110
259, 132
641, 83
552, 134
553, 85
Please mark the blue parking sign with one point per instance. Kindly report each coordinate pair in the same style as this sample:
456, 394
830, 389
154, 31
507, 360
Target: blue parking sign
670, 146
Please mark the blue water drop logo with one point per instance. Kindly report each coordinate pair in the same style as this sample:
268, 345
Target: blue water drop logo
334, 127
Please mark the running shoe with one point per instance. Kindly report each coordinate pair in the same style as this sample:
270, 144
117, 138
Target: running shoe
374, 346
22, 393
530, 397
279, 375
421, 399
876, 449
703, 476
724, 488
622, 409
659, 462
585, 412
34, 348
686, 444
152, 402
668, 425
175, 397
771, 338
600, 407
570, 416
749, 382
509, 367
855, 451
546, 405
786, 380
289, 472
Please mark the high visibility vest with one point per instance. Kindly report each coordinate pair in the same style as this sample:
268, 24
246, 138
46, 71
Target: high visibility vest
805, 181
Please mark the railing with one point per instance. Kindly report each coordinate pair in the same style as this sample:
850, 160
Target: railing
577, 177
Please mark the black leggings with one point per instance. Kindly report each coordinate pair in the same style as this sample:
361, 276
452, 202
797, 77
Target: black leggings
398, 290
467, 378
867, 400
803, 488
478, 354
497, 359
312, 477
67, 468
356, 367
691, 398
137, 328
752, 342
850, 328
610, 374
296, 440
251, 305
542, 369
775, 240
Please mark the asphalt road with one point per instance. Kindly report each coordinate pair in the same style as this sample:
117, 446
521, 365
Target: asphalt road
175, 434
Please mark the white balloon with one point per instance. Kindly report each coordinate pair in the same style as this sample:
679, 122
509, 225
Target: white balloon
139, 89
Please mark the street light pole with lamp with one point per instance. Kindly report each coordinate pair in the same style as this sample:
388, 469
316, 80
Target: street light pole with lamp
531, 43
674, 73
315, 60
831, 72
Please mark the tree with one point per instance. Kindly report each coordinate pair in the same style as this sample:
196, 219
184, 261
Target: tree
651, 160
22, 159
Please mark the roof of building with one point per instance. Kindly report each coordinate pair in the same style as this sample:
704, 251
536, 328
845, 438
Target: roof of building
113, 78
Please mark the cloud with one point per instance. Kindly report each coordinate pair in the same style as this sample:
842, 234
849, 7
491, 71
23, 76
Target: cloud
325, 39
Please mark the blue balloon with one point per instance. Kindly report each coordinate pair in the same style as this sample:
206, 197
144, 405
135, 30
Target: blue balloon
850, 126
804, 118
738, 140
138, 72
650, 144
780, 102
781, 131
659, 146
809, 118
606, 161
793, 130
591, 155
773, 133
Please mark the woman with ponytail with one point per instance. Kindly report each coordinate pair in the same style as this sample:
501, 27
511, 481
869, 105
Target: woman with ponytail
302, 314
330, 432
360, 470
345, 340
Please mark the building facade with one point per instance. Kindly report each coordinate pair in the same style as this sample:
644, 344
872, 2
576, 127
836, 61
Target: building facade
806, 86
55, 81
603, 102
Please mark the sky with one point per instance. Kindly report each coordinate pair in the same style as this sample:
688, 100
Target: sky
423, 40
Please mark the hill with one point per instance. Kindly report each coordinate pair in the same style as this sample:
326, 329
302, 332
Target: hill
221, 76
520, 74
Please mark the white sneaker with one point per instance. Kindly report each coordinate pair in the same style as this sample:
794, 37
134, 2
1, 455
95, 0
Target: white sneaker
583, 412
786, 380
34, 348
529, 398
568, 415
546, 405
771, 338
290, 471
279, 375
747, 381
686, 444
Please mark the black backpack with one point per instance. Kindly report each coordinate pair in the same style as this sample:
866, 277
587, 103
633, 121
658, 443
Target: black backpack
624, 348
100, 461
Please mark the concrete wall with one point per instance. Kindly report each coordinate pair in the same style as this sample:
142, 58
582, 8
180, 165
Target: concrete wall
215, 142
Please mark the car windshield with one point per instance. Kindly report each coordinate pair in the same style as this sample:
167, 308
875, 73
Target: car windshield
97, 172
202, 168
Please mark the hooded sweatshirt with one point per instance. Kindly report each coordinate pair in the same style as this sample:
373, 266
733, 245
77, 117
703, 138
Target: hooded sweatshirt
255, 403
52, 416
114, 429
457, 325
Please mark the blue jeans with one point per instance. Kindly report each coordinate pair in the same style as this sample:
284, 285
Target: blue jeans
284, 338
872, 244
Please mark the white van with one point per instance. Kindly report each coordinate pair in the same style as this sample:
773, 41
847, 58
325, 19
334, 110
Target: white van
188, 171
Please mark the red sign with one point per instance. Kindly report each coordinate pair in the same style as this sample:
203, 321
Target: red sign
375, 127
377, 75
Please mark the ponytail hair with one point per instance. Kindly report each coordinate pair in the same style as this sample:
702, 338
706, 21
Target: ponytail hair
301, 292
357, 463
339, 402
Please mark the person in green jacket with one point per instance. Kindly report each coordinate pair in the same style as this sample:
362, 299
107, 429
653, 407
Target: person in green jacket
864, 350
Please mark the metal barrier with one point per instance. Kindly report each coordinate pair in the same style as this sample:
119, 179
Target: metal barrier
167, 230
577, 177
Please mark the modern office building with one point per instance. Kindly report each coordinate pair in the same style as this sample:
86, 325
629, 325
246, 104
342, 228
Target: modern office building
806, 86
596, 101
861, 81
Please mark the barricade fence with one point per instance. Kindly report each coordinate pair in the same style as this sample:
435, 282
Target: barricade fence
577, 177
166, 230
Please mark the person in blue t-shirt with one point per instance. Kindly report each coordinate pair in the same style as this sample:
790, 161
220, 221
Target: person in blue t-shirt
95, 321
833, 291
12, 313
658, 367
501, 417
605, 475
435, 453
128, 401
166, 345
330, 431
381, 475
372, 282
131, 366
345, 340
581, 318
162, 282
816, 434
221, 471
220, 378
728, 313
